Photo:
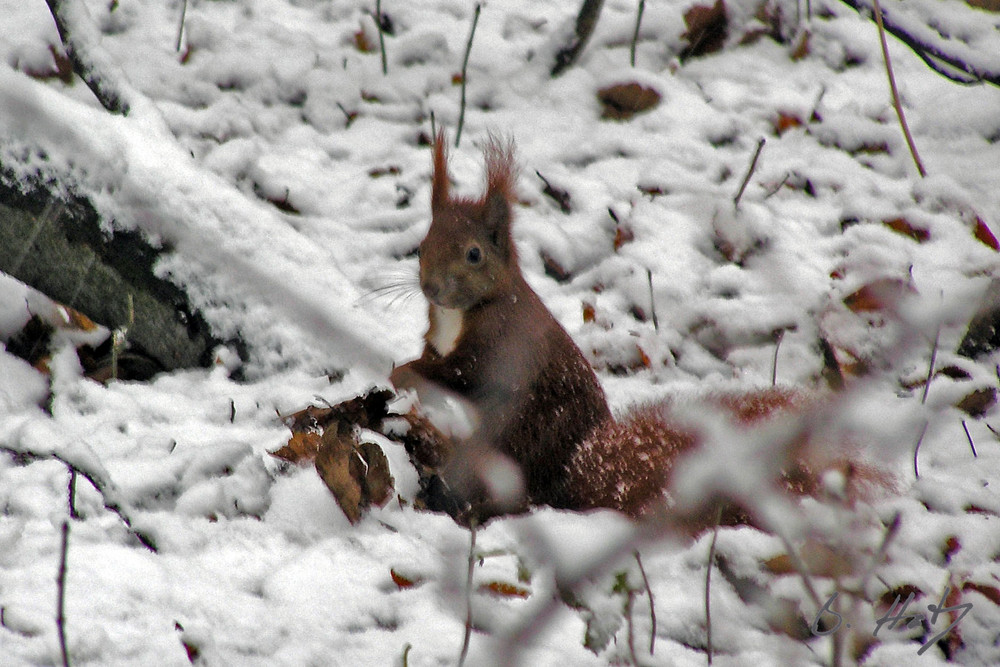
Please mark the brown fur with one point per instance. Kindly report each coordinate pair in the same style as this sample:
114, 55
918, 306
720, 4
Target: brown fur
535, 395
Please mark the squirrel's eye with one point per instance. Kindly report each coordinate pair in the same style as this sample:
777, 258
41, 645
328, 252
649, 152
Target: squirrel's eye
474, 255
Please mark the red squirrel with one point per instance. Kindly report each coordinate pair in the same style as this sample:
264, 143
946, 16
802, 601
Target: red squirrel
493, 346
493, 343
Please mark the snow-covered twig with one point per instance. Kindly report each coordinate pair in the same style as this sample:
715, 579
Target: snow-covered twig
82, 59
943, 59
103, 486
381, 35
708, 587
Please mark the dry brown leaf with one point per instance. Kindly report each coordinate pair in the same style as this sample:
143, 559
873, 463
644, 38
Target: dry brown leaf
904, 227
621, 101
301, 448
404, 581
991, 593
553, 269
623, 235
978, 402
801, 49
362, 43
878, 295
707, 29
589, 312
984, 235
506, 590
333, 463
952, 546
785, 122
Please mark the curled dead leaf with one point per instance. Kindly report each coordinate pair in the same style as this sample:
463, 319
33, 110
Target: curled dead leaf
621, 101
881, 294
707, 29
507, 590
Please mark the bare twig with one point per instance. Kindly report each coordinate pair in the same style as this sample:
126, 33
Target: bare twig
969, 436
635, 35
779, 335
916, 449
468, 594
110, 98
61, 595
895, 92
586, 21
73, 514
180, 26
652, 604
465, 67
381, 36
750, 170
708, 586
103, 486
652, 301
629, 605
930, 366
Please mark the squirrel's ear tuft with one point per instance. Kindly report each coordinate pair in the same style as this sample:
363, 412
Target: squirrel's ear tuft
501, 169
439, 182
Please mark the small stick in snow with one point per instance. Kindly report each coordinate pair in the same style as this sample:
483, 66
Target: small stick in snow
652, 304
468, 591
652, 606
971, 443
61, 594
708, 586
895, 93
779, 334
465, 67
635, 34
349, 115
381, 36
916, 450
930, 367
750, 170
73, 514
180, 27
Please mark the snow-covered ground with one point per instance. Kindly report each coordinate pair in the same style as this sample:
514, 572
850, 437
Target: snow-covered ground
256, 564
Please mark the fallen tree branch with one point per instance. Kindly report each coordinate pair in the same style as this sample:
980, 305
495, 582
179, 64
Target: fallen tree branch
82, 58
940, 58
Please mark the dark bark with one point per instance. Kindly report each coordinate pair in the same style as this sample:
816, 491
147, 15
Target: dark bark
586, 21
56, 245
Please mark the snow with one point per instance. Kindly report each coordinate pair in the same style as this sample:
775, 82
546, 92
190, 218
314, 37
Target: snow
255, 562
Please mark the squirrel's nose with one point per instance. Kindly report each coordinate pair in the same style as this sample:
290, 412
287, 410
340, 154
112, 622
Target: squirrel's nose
430, 289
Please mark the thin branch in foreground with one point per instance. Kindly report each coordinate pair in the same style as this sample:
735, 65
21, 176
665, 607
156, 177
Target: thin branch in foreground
779, 335
468, 594
895, 92
61, 595
110, 98
652, 604
750, 170
465, 67
101, 485
635, 34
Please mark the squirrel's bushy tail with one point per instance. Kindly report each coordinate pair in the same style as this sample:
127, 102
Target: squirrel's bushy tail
629, 464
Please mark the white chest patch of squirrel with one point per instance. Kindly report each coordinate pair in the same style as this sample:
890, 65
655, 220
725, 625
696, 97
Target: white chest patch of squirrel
445, 328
